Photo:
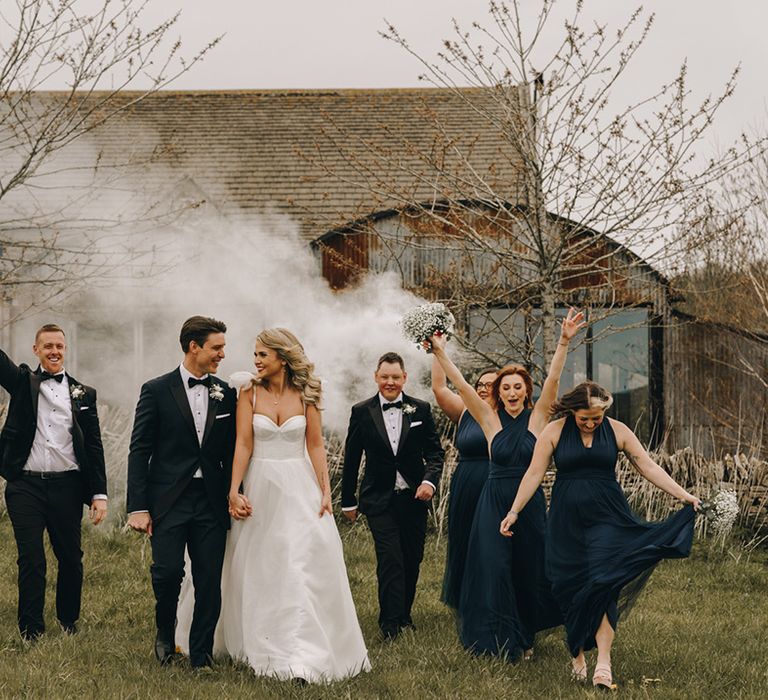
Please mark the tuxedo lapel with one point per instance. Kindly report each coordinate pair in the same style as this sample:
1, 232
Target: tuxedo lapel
75, 408
404, 428
374, 407
211, 416
180, 396
34, 387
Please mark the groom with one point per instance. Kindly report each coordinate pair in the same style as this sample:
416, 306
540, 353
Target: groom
178, 477
403, 464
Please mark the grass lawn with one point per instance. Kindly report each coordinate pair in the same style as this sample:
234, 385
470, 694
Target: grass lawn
700, 630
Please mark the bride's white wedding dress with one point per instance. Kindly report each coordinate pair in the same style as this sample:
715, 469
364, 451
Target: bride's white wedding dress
287, 610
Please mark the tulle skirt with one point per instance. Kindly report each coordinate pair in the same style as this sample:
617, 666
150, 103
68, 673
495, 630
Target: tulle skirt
600, 555
466, 485
505, 598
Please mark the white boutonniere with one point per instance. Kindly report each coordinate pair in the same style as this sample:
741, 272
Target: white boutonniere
76, 392
216, 392
409, 409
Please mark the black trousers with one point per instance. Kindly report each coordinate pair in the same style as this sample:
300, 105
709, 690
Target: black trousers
398, 536
192, 525
34, 506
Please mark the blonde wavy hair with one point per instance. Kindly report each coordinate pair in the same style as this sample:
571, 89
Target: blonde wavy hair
301, 372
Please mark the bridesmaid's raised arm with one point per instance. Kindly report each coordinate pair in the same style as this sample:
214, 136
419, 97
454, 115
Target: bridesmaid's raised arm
448, 400
629, 444
486, 416
540, 415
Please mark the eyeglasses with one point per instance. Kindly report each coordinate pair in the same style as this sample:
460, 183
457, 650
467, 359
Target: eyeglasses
484, 385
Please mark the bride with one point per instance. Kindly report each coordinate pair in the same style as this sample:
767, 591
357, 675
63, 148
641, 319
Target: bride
287, 609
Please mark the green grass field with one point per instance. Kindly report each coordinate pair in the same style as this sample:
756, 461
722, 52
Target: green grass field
700, 630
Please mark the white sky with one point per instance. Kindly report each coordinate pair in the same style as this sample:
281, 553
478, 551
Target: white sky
335, 43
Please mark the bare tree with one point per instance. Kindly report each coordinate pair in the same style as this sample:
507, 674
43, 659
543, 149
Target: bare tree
598, 191
54, 239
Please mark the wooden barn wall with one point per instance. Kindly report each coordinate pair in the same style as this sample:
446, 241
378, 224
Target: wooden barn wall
434, 259
711, 402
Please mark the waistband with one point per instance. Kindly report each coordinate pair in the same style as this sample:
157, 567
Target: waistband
497, 472
588, 474
50, 475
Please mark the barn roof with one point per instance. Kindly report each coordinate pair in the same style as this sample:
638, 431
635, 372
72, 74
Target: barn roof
316, 155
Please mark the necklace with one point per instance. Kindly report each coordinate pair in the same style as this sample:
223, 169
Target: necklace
279, 396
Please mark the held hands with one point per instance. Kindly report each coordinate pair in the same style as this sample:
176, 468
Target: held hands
571, 325
98, 511
239, 506
141, 522
507, 523
350, 515
325, 505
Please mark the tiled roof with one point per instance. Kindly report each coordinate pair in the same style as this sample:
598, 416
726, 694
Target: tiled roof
310, 153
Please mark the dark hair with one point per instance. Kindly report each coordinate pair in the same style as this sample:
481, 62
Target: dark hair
585, 395
482, 373
391, 357
49, 328
505, 372
198, 328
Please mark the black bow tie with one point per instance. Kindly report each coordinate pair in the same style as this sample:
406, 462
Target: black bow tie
387, 406
193, 382
47, 375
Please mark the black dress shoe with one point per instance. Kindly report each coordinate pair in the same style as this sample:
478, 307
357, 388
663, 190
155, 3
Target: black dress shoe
202, 664
165, 651
31, 635
390, 635
69, 627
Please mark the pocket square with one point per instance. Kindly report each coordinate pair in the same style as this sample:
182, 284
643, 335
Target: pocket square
84, 408
416, 423
223, 415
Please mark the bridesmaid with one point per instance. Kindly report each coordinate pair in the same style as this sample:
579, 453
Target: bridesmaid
504, 596
599, 554
468, 478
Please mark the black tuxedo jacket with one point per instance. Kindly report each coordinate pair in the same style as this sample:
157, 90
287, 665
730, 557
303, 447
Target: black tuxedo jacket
165, 452
419, 454
18, 433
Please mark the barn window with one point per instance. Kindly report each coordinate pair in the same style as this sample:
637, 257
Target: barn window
615, 355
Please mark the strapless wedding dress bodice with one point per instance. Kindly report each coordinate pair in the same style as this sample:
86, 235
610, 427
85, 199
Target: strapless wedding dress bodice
279, 442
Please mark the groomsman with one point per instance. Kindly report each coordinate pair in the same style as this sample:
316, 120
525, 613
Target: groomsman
52, 456
403, 464
179, 468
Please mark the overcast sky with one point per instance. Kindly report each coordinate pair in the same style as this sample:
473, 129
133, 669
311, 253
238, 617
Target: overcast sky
335, 43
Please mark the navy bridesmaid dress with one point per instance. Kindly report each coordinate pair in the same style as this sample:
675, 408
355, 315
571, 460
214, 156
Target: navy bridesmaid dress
505, 598
599, 553
466, 484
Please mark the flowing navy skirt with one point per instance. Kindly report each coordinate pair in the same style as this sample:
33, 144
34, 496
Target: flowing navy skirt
599, 554
505, 597
466, 485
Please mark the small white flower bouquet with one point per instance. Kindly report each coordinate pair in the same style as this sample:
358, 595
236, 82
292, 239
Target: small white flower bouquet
721, 511
426, 320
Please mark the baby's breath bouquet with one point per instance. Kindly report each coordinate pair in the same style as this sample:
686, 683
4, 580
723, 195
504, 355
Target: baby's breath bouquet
426, 320
721, 510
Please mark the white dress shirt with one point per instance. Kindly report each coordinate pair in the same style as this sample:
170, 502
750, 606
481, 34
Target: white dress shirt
52, 449
393, 421
198, 403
